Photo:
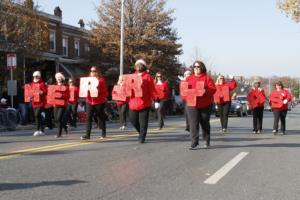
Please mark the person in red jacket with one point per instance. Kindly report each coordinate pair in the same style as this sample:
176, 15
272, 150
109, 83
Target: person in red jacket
59, 109
96, 105
139, 107
185, 76
279, 99
71, 111
256, 98
122, 109
38, 107
163, 92
202, 111
224, 103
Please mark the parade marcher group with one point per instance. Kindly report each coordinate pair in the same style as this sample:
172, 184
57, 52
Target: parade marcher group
137, 92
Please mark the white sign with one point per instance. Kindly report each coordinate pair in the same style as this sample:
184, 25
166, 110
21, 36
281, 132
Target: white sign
11, 61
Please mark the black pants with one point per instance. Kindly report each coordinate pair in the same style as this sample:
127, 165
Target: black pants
279, 115
187, 126
139, 120
49, 117
59, 113
122, 109
258, 114
100, 115
199, 116
161, 113
71, 114
38, 118
224, 112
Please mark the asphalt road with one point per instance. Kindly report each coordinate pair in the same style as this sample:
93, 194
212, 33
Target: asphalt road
239, 166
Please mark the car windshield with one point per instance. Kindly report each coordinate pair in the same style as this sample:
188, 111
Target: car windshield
242, 98
235, 103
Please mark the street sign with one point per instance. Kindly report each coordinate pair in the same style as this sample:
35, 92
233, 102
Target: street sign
11, 61
12, 87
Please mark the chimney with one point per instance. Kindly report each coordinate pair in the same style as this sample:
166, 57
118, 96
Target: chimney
81, 23
58, 12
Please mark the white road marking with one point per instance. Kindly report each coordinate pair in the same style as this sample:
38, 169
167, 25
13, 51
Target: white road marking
225, 169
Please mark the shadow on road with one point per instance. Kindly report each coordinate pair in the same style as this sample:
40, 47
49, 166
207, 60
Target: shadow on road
19, 186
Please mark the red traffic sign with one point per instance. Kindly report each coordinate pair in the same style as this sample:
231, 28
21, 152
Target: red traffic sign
11, 61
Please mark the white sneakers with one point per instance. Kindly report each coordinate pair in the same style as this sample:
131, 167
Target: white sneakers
122, 128
38, 133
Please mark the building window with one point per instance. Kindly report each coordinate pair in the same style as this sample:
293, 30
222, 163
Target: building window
87, 48
65, 46
52, 41
77, 47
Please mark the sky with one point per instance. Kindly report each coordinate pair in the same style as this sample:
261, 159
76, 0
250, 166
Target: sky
239, 37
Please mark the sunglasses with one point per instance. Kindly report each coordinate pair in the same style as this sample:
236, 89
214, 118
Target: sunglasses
93, 71
197, 66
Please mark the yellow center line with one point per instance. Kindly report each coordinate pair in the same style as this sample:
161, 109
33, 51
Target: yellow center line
13, 154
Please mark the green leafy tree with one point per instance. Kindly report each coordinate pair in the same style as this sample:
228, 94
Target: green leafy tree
148, 34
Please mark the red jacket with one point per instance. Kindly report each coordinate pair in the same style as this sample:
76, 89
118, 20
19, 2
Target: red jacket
163, 89
283, 95
43, 96
149, 93
231, 85
102, 93
256, 98
76, 95
210, 88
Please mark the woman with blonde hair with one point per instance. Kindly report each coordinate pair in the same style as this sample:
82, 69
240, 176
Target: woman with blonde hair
224, 100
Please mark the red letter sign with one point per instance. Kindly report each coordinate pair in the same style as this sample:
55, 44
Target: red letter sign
133, 84
56, 95
118, 93
88, 84
222, 95
32, 93
276, 100
192, 94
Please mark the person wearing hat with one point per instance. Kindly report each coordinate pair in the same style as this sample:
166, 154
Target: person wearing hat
200, 114
224, 104
161, 97
38, 106
279, 99
256, 98
96, 105
139, 107
59, 110
71, 111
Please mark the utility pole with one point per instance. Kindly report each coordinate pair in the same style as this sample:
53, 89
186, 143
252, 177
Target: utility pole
122, 39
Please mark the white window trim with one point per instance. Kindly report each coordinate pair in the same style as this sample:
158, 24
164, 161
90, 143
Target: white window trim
52, 31
77, 40
67, 47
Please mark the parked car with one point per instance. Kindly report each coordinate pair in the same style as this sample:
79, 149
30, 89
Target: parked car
243, 100
267, 107
236, 109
